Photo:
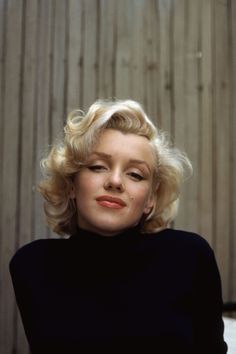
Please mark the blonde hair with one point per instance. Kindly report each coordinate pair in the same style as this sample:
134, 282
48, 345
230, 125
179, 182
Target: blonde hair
80, 135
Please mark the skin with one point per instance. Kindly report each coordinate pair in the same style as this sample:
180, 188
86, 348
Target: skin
120, 166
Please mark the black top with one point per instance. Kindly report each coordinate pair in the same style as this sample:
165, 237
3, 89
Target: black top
160, 292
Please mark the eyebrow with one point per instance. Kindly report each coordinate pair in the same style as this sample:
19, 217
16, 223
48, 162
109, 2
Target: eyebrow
107, 156
102, 154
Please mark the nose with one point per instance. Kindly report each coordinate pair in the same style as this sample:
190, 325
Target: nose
114, 182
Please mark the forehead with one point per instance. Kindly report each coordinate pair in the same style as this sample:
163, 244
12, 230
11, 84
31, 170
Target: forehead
119, 144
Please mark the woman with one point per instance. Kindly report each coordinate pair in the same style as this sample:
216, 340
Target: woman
123, 280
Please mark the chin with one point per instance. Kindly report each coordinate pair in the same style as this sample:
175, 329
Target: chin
109, 231
108, 226
114, 229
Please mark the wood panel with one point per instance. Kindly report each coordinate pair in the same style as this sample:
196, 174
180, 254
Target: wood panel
10, 168
90, 52
221, 141
137, 59
59, 73
107, 48
165, 60
123, 49
43, 103
74, 56
178, 109
232, 263
151, 51
2, 81
177, 57
27, 120
206, 123
191, 85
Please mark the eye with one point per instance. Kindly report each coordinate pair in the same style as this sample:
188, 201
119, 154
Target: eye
97, 168
136, 176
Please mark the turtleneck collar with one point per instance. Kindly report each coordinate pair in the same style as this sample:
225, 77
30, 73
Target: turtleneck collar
125, 236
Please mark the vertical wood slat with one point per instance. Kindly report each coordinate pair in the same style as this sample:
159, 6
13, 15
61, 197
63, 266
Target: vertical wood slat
44, 87
178, 101
3, 9
205, 117
151, 56
137, 48
222, 134
192, 109
2, 83
107, 45
232, 275
27, 141
91, 52
74, 64
58, 69
10, 169
122, 70
166, 82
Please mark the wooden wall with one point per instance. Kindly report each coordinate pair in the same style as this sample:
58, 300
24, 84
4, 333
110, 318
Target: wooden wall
177, 57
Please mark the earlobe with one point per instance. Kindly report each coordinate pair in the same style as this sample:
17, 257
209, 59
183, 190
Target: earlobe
72, 192
149, 206
147, 210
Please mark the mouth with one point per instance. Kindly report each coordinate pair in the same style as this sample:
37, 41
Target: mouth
110, 202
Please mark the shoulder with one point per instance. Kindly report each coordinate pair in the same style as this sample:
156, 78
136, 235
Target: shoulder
189, 252
179, 243
33, 252
182, 238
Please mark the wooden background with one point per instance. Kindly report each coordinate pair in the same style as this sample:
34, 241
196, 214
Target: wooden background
177, 57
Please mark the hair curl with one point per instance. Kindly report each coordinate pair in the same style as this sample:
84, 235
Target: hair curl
81, 132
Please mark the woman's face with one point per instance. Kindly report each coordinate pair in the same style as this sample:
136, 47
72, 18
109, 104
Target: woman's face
114, 189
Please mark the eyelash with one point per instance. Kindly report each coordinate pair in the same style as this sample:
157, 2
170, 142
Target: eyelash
96, 168
135, 176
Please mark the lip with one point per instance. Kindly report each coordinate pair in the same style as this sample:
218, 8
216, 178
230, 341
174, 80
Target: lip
111, 202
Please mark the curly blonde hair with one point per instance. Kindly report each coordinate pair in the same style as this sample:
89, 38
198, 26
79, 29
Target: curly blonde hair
81, 132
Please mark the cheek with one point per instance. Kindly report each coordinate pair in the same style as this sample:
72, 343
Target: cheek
83, 184
82, 181
87, 185
140, 195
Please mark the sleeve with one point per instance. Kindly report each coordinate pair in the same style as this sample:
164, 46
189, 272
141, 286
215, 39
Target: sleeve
209, 325
25, 270
17, 268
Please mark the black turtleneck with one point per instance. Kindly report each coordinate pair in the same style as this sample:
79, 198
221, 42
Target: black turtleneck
157, 292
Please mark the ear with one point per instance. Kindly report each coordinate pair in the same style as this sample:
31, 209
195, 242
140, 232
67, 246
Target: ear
149, 205
151, 201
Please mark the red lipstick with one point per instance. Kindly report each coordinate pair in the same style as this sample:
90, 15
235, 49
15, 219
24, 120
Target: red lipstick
110, 202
